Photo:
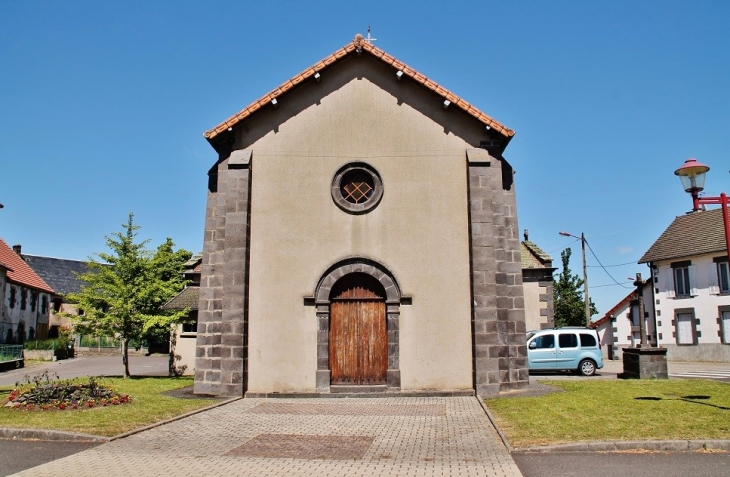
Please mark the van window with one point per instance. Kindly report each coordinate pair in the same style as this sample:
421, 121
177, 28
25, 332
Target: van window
567, 340
545, 341
587, 341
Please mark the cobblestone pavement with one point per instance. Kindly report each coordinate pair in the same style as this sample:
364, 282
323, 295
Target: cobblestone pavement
263, 437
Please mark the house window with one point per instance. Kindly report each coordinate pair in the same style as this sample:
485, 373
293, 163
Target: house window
685, 328
190, 328
33, 300
11, 300
680, 270
723, 277
44, 304
23, 298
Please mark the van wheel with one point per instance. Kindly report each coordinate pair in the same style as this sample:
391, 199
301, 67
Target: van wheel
587, 367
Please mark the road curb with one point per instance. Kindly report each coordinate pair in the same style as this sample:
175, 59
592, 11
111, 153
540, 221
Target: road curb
53, 435
48, 435
613, 446
173, 419
502, 435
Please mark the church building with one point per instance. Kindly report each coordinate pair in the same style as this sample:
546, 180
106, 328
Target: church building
361, 236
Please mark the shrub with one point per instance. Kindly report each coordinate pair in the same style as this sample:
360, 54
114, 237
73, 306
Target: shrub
44, 392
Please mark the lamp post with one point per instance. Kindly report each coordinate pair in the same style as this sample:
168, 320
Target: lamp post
692, 174
582, 239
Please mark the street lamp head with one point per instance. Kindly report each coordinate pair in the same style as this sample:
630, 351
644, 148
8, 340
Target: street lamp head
565, 234
692, 174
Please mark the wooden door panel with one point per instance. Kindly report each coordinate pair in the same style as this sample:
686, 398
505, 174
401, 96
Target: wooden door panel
373, 342
358, 342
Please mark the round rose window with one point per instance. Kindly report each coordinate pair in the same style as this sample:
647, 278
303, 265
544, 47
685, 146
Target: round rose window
357, 188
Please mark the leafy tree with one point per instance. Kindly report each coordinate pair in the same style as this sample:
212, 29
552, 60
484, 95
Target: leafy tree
124, 291
568, 302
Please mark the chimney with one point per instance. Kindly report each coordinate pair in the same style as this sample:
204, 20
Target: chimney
16, 249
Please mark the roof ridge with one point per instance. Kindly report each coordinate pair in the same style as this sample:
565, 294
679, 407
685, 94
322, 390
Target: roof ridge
358, 44
19, 271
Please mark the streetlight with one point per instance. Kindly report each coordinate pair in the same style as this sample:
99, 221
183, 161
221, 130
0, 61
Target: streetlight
582, 239
692, 174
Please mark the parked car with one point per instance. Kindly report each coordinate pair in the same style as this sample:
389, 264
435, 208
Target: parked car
570, 348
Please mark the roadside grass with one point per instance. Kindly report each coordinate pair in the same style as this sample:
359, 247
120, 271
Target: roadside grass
616, 410
149, 404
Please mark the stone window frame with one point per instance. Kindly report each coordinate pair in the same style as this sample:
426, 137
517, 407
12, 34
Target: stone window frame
724, 338
675, 322
344, 204
393, 298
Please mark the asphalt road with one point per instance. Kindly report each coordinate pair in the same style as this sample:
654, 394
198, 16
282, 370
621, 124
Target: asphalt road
154, 365
20, 455
611, 464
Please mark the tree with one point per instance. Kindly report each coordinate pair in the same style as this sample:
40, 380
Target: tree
123, 292
569, 305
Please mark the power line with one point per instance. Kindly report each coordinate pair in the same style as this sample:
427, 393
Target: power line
604, 268
619, 265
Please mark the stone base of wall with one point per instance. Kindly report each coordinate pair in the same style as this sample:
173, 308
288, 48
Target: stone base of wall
645, 363
711, 352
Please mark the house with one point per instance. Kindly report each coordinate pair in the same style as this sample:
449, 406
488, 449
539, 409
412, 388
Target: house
26, 300
537, 285
691, 287
361, 236
61, 275
620, 327
183, 340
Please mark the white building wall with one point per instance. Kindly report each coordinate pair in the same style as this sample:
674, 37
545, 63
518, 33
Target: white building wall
623, 330
30, 315
705, 304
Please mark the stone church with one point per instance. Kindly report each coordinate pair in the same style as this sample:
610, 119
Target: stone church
360, 236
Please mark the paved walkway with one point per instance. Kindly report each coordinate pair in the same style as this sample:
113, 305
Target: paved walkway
263, 437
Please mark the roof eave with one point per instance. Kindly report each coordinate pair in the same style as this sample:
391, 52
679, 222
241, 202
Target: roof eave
216, 136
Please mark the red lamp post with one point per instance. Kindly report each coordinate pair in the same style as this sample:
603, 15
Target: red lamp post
692, 174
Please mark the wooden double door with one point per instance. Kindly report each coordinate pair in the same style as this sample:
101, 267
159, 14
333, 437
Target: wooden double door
358, 347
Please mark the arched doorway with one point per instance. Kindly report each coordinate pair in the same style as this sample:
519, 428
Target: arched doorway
358, 337
368, 282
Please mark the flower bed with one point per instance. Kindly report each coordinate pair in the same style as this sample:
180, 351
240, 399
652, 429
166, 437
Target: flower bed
43, 393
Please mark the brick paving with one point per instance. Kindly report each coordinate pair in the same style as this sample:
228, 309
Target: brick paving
426, 436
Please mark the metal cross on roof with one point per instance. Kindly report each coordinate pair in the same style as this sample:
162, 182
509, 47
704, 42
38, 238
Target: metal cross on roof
369, 39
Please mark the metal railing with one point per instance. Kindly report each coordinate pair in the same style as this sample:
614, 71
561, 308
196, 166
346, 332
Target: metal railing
11, 353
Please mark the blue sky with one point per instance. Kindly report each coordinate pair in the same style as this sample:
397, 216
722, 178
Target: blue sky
103, 106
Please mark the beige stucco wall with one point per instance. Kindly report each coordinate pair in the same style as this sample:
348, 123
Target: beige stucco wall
185, 351
533, 306
419, 231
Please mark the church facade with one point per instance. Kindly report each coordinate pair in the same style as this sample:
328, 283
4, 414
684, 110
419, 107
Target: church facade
361, 236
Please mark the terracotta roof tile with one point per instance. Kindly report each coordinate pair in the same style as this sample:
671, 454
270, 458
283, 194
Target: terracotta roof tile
691, 234
20, 272
358, 44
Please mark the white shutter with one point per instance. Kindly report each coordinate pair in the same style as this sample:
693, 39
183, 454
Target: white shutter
668, 278
684, 328
693, 290
725, 325
714, 287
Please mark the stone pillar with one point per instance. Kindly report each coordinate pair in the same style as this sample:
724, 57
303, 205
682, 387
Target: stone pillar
221, 347
644, 363
498, 310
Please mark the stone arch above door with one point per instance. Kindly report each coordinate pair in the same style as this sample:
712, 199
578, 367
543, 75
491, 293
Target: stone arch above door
322, 302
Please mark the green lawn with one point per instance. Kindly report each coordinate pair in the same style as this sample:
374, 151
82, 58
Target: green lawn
605, 410
149, 404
